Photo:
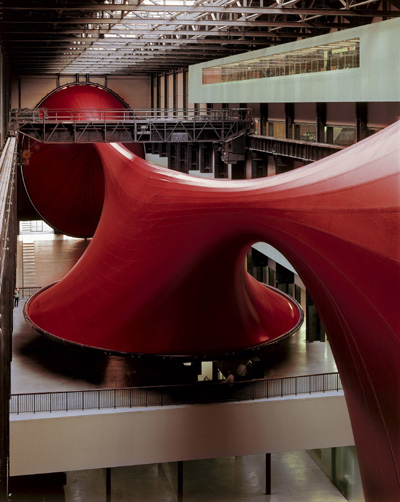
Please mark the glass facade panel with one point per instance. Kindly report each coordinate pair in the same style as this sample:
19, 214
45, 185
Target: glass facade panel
335, 56
305, 132
340, 135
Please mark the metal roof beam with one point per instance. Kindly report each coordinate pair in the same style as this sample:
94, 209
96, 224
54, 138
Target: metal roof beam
144, 41
207, 9
143, 30
154, 25
168, 22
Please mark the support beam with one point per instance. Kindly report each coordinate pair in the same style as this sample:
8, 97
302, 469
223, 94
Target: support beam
321, 121
180, 481
362, 120
108, 484
289, 119
268, 490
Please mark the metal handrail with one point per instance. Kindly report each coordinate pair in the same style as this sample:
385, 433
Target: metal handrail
298, 142
201, 392
7, 174
126, 115
28, 291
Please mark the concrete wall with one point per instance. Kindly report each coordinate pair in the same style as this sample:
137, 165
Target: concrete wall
167, 100
27, 92
3, 110
377, 78
51, 443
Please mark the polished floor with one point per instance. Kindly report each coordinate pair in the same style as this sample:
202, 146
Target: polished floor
295, 478
40, 364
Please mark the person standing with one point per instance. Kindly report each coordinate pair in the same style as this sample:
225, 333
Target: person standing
229, 378
16, 297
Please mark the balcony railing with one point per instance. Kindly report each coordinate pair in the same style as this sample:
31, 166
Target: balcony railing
296, 149
27, 291
128, 125
202, 392
40, 115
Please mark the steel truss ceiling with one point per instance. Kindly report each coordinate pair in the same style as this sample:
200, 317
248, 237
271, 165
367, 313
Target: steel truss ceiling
151, 36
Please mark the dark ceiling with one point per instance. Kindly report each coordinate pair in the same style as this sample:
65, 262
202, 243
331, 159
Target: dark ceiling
151, 36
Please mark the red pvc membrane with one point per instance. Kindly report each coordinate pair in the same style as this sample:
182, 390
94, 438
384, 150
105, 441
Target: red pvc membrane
65, 183
164, 274
155, 252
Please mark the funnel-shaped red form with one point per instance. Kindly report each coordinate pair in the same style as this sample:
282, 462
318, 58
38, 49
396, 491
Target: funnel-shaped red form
164, 274
65, 182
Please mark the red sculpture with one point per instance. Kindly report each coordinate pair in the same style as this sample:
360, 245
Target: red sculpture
164, 274
156, 252
65, 182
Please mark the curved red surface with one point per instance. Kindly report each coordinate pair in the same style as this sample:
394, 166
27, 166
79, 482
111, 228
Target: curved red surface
65, 183
164, 274
142, 234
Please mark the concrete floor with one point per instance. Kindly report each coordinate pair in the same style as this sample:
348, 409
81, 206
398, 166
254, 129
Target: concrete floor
41, 365
295, 478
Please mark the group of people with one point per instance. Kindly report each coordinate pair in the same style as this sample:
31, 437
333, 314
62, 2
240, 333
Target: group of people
241, 373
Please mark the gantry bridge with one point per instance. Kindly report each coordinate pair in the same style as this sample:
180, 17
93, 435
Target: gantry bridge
227, 127
127, 125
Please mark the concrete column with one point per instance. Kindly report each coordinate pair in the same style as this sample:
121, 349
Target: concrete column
321, 122
283, 164
175, 90
289, 118
203, 157
263, 119
284, 279
314, 329
108, 484
189, 156
19, 93
268, 474
166, 93
271, 273
158, 90
213, 161
178, 159
184, 90
152, 100
168, 149
180, 481
362, 118
248, 168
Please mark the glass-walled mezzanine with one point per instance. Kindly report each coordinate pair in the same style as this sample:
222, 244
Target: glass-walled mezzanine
333, 56
341, 135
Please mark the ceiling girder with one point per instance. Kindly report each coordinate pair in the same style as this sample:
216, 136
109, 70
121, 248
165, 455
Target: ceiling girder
42, 36
143, 30
207, 9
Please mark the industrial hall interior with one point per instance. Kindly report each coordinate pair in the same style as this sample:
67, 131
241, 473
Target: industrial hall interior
200, 259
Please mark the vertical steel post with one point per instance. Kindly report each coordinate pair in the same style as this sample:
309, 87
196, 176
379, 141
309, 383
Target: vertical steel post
108, 484
268, 473
180, 481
